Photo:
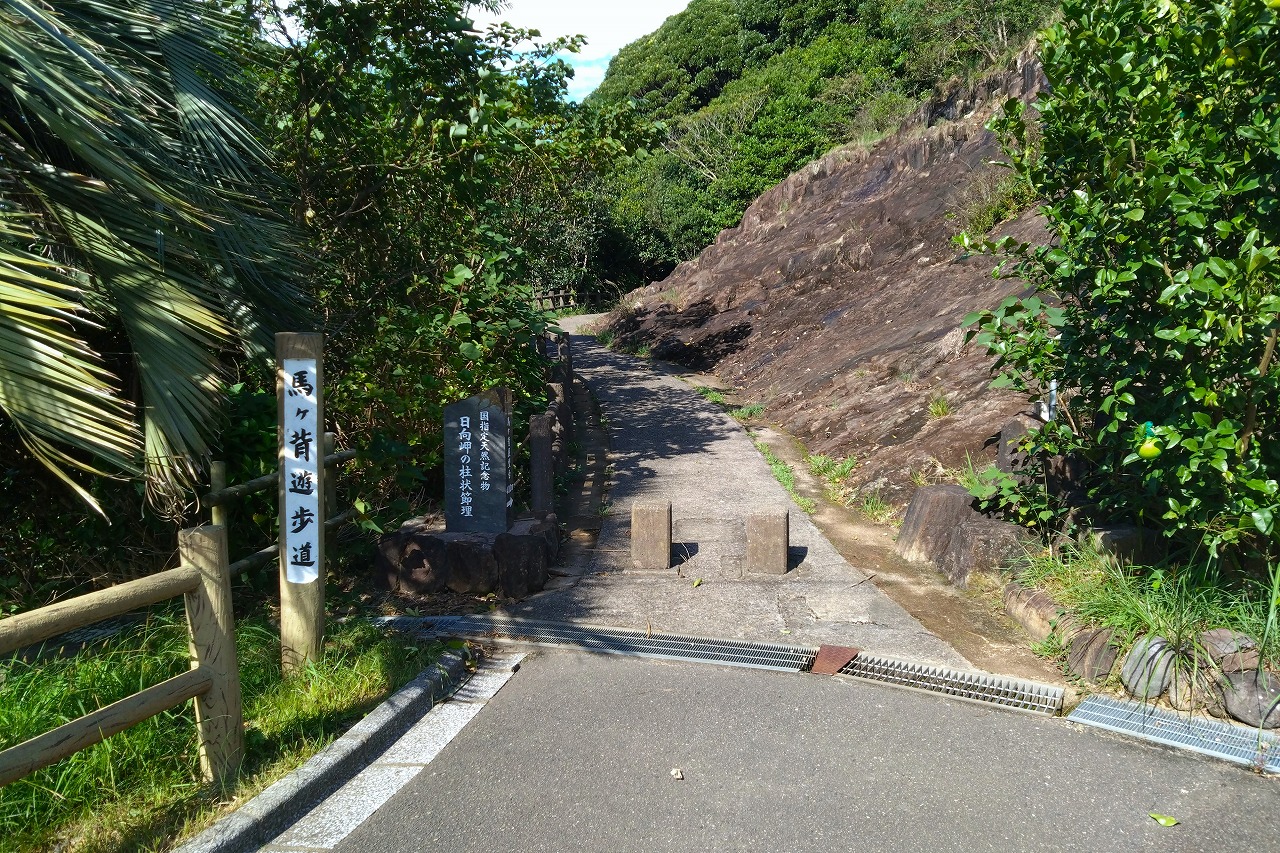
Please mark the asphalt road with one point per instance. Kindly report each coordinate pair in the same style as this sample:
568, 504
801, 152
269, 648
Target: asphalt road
576, 753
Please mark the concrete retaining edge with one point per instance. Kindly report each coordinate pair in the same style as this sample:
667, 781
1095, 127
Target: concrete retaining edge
274, 810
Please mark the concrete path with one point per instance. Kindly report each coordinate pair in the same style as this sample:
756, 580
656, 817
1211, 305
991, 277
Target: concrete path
575, 753
668, 443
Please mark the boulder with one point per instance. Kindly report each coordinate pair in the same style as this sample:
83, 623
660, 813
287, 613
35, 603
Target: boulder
1125, 543
1148, 667
424, 565
1253, 698
1246, 661
934, 514
1230, 651
420, 557
1093, 654
473, 567
406, 543
981, 545
523, 555
1197, 689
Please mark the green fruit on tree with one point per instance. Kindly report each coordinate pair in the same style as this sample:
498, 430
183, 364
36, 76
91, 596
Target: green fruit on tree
1273, 5
1150, 449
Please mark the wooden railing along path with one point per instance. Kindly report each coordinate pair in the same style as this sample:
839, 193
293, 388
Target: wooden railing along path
213, 680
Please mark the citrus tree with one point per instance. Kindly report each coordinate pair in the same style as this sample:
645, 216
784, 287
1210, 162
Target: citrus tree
1159, 302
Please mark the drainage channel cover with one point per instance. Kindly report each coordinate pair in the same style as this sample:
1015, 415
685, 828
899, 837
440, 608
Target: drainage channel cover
1249, 747
975, 686
620, 641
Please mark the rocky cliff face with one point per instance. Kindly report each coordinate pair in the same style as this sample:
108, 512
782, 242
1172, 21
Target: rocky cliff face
837, 302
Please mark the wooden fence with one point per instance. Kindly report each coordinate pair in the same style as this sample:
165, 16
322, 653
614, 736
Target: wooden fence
556, 300
204, 579
213, 680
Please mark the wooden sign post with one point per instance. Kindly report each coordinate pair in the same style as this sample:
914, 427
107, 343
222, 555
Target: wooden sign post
299, 373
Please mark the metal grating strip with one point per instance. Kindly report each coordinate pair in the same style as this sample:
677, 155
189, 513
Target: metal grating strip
622, 641
976, 686
1250, 747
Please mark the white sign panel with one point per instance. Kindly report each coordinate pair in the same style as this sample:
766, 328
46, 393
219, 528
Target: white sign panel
300, 523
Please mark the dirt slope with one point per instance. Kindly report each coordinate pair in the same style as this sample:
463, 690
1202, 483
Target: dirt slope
837, 301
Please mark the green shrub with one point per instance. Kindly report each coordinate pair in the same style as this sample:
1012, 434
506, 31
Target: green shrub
1159, 304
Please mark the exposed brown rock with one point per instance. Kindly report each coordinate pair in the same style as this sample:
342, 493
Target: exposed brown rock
1093, 654
935, 513
837, 301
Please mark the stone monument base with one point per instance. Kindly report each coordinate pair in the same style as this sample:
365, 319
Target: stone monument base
420, 557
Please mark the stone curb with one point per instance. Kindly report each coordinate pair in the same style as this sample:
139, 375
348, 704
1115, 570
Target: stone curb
267, 815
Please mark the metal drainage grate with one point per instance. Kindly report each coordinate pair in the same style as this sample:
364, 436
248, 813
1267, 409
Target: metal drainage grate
1209, 737
976, 686
620, 641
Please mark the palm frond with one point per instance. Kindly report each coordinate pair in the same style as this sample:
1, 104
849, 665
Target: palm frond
151, 206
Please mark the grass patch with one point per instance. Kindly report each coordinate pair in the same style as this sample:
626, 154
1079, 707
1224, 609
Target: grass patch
966, 475
747, 412
874, 508
785, 476
711, 395
992, 197
605, 337
1173, 602
139, 789
833, 473
829, 468
939, 407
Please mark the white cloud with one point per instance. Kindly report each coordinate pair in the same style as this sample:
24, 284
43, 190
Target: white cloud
608, 26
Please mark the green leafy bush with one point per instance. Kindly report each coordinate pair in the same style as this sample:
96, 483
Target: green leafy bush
1159, 304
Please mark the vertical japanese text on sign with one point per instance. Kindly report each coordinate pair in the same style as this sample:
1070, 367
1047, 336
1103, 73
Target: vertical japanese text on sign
300, 521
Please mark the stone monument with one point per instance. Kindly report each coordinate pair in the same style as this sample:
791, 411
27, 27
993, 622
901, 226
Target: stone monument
477, 463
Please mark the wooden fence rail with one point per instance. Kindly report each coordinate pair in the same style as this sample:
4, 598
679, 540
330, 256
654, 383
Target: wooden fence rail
301, 605
555, 300
213, 680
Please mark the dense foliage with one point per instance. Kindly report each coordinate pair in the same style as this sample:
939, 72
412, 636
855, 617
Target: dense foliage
141, 235
751, 90
1160, 161
441, 178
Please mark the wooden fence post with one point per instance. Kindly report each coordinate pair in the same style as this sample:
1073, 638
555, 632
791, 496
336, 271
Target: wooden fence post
218, 482
219, 713
299, 388
541, 463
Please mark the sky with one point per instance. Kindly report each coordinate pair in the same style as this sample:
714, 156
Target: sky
607, 26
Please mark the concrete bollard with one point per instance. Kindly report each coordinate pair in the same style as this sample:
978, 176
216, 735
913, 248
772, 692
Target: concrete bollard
768, 537
651, 535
